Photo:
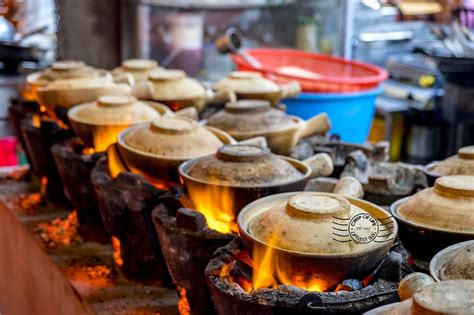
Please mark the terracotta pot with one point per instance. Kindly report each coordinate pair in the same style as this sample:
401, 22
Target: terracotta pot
252, 85
66, 69
454, 262
98, 123
460, 164
69, 92
299, 228
135, 71
255, 118
157, 149
437, 217
220, 185
174, 89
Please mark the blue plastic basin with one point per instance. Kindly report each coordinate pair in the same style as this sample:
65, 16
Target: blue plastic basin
351, 114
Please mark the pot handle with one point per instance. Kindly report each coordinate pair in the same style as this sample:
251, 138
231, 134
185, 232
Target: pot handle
256, 141
143, 91
124, 77
188, 112
349, 187
321, 164
290, 89
319, 124
220, 97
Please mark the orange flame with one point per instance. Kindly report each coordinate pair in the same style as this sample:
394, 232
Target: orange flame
117, 253
88, 151
42, 109
183, 303
60, 232
217, 205
115, 164
270, 269
104, 136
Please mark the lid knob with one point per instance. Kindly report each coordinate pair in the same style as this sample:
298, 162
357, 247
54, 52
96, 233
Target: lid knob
242, 153
245, 75
466, 152
318, 205
139, 64
116, 100
461, 185
173, 125
67, 65
247, 106
166, 75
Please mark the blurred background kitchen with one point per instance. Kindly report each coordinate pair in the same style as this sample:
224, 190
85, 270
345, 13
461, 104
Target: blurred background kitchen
424, 108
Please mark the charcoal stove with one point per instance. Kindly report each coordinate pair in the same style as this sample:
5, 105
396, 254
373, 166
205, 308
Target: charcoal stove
74, 167
125, 203
229, 278
187, 244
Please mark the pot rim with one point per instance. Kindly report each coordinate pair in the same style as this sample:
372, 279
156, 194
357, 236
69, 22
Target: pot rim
438, 260
394, 211
185, 166
73, 111
285, 196
427, 169
121, 143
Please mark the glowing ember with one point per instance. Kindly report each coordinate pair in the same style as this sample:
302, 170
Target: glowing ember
117, 253
44, 184
36, 121
42, 109
31, 201
216, 203
183, 304
88, 151
60, 232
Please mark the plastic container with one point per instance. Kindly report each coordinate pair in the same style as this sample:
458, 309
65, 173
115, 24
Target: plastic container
332, 74
8, 155
351, 114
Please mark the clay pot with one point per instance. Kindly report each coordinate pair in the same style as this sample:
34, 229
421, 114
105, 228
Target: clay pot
69, 92
157, 149
453, 263
237, 175
437, 217
98, 123
412, 283
453, 297
460, 164
255, 118
174, 89
135, 71
299, 228
252, 85
67, 69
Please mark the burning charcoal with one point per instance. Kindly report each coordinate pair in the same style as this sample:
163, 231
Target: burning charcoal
321, 184
240, 269
349, 285
190, 219
172, 200
303, 150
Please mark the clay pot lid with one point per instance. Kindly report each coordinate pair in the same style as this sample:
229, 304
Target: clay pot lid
113, 109
66, 69
242, 82
172, 137
304, 223
244, 166
139, 64
458, 264
246, 116
446, 297
174, 85
460, 164
447, 206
